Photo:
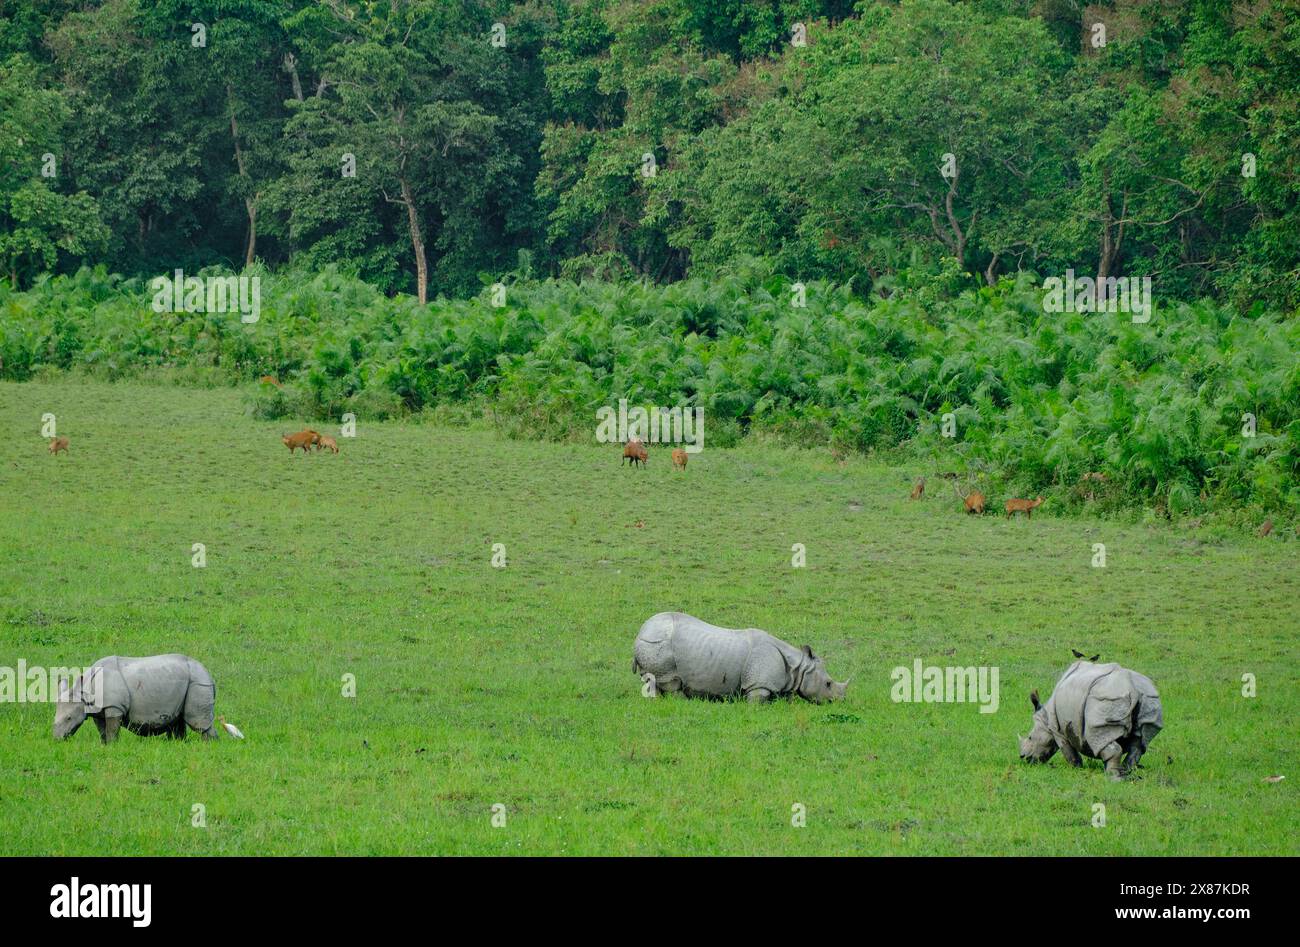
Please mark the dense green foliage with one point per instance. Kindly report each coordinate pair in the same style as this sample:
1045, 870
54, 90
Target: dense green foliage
1037, 399
151, 134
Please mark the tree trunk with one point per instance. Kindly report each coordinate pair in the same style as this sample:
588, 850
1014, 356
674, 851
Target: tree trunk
417, 242
1112, 237
250, 203
291, 67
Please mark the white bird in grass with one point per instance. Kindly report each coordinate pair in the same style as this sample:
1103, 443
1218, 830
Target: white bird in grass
233, 730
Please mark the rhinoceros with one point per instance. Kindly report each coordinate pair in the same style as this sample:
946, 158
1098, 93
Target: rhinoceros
676, 652
154, 695
1102, 711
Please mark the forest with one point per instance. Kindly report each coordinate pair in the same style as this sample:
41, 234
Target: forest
421, 144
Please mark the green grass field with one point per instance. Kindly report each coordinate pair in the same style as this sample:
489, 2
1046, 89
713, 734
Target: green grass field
477, 686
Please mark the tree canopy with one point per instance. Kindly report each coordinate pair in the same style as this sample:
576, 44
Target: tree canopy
428, 145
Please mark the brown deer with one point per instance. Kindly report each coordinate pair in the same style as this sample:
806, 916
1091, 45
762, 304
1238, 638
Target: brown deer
973, 500
1266, 528
679, 459
303, 439
270, 380
1023, 506
918, 491
328, 443
634, 451
58, 444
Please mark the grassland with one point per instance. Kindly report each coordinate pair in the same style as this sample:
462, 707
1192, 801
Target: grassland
477, 686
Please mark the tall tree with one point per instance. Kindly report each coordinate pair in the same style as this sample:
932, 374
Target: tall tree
36, 219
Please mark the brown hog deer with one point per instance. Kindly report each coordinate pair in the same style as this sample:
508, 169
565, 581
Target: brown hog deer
973, 501
303, 439
634, 451
1023, 506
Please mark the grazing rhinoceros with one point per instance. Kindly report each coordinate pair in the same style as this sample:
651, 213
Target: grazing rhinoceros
160, 694
675, 652
1102, 711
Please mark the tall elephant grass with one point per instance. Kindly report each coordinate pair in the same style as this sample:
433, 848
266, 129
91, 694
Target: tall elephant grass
1036, 399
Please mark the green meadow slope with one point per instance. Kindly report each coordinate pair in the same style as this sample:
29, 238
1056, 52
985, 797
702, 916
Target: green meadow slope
478, 686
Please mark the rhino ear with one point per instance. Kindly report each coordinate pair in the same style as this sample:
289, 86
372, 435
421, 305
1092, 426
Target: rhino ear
1033, 699
808, 653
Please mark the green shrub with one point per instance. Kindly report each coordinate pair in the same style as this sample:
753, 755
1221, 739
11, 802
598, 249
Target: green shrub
1037, 399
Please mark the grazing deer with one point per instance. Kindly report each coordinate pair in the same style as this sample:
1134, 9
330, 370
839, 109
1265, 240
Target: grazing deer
973, 500
270, 380
328, 443
634, 451
1266, 528
303, 439
918, 491
1023, 506
679, 459
58, 444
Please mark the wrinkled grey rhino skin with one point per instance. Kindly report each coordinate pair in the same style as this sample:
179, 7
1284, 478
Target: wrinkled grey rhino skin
1102, 711
149, 696
676, 652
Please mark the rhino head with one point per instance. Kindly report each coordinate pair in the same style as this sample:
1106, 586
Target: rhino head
1039, 746
816, 685
69, 710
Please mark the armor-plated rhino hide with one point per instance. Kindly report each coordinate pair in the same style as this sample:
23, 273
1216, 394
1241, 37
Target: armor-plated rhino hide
1102, 711
676, 652
164, 693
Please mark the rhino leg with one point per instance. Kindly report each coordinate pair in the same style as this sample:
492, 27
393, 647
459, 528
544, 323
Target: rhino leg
1134, 757
758, 695
177, 730
665, 685
1070, 753
200, 710
108, 727
1110, 755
